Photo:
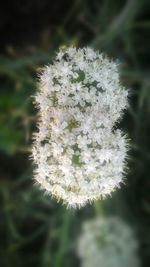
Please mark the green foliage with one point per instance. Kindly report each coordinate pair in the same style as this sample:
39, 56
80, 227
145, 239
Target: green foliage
10, 139
34, 229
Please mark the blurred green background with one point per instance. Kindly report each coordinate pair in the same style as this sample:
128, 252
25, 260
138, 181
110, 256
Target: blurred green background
34, 229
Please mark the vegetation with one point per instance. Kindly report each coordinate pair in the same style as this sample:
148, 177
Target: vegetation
34, 229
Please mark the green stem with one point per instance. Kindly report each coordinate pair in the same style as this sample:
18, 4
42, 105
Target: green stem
98, 208
63, 239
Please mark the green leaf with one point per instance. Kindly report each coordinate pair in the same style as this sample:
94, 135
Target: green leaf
10, 139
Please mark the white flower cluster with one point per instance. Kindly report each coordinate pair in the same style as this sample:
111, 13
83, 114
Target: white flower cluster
78, 156
107, 242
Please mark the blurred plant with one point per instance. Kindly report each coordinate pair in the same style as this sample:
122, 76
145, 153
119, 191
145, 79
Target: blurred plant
34, 230
107, 242
17, 85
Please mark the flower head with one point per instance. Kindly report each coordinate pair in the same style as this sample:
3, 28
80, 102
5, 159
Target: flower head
107, 242
78, 156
